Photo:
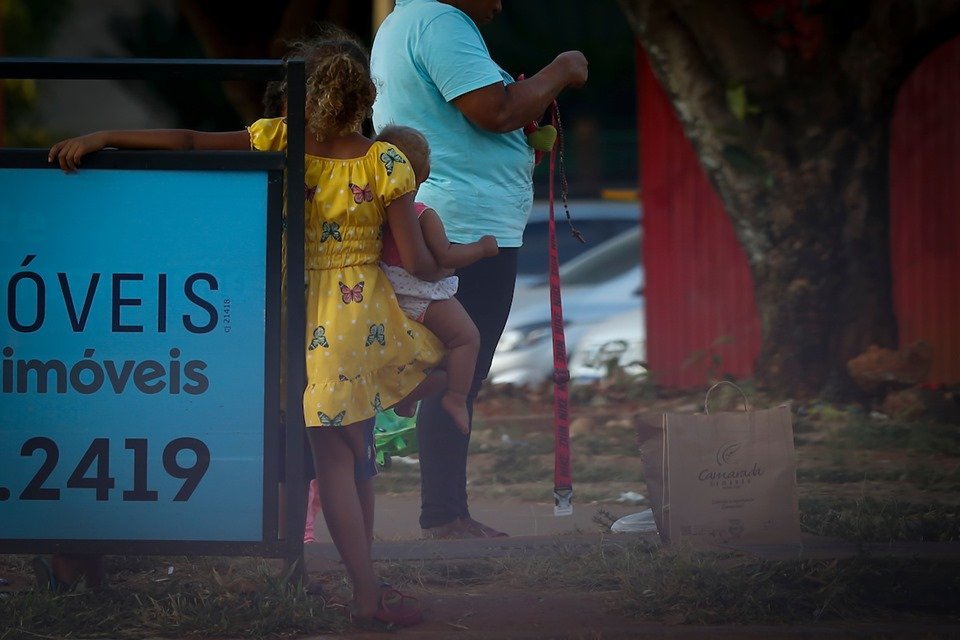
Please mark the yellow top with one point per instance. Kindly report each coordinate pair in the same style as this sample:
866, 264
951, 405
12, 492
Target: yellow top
363, 353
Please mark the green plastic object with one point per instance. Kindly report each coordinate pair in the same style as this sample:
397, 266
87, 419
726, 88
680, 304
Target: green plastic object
394, 436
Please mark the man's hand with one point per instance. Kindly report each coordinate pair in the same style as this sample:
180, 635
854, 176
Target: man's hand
575, 65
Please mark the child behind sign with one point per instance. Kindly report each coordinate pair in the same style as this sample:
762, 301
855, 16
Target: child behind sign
363, 354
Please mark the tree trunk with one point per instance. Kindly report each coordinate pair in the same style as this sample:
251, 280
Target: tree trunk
823, 284
789, 112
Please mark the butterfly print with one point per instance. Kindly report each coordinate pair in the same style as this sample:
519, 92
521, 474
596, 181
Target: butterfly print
389, 157
376, 335
331, 230
343, 378
377, 404
327, 421
309, 193
319, 339
364, 194
354, 294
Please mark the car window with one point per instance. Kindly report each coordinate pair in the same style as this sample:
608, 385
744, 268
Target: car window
533, 255
612, 258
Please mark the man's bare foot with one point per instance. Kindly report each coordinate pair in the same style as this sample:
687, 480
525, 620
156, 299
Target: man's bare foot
456, 405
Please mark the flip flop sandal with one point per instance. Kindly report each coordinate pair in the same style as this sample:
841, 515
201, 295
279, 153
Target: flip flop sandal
339, 602
396, 610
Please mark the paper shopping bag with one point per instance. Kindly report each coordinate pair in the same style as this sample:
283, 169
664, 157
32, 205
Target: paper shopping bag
722, 478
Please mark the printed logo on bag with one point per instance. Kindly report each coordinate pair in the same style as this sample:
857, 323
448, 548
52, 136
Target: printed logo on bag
727, 474
726, 452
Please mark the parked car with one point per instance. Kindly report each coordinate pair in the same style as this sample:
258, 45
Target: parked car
596, 220
619, 341
602, 282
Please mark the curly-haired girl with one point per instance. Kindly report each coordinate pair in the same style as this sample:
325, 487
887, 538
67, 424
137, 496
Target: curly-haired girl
363, 353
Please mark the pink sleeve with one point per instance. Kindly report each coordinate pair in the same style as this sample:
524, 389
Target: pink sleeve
390, 254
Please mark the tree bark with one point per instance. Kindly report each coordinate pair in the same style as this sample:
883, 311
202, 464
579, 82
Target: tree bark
794, 138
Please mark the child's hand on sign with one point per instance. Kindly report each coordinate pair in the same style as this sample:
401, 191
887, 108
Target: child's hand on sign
69, 152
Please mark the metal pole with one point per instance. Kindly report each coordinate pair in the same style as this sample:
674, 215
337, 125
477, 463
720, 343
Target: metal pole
3, 103
296, 313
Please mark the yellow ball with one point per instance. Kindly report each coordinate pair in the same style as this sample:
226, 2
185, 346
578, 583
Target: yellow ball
543, 138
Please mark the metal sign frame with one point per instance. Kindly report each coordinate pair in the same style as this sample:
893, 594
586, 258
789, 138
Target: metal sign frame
282, 534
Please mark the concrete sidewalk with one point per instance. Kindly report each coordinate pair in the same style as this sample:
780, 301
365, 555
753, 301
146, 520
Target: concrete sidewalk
532, 526
534, 529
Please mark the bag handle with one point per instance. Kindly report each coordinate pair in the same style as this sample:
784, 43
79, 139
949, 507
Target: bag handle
706, 399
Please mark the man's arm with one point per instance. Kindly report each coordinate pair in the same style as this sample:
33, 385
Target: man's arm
501, 108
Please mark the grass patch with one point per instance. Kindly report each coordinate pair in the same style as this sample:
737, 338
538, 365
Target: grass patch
925, 478
934, 479
242, 598
514, 464
648, 582
463, 573
711, 589
591, 470
922, 437
872, 520
846, 475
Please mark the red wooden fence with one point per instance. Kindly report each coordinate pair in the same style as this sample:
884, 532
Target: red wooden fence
701, 318
925, 209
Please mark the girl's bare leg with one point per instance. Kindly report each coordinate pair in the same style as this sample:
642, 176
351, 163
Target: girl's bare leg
449, 321
367, 504
344, 510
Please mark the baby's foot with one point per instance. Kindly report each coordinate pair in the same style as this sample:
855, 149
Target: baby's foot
405, 409
456, 406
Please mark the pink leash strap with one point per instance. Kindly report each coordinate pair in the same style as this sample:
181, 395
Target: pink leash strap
562, 473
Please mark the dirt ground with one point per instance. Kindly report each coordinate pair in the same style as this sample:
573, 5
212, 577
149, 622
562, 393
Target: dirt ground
491, 613
512, 457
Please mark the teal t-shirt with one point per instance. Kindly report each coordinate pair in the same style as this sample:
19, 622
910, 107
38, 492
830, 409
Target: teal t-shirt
425, 55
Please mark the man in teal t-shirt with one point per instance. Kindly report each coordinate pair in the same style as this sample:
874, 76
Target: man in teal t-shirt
480, 180
434, 73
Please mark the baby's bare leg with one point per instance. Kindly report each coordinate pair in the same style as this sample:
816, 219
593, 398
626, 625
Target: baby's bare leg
449, 321
433, 384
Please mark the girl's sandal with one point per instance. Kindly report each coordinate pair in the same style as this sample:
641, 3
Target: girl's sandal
396, 610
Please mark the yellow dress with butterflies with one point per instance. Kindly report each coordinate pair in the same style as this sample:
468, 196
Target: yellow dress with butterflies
363, 353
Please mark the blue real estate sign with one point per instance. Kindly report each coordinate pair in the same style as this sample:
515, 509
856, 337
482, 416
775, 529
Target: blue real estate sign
132, 372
